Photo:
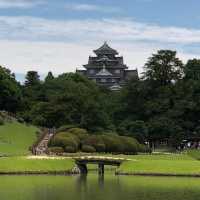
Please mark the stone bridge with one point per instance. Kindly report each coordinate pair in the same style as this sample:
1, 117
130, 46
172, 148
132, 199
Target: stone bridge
101, 161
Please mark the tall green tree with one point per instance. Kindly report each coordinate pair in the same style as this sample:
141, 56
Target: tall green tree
192, 69
10, 92
164, 67
32, 79
49, 77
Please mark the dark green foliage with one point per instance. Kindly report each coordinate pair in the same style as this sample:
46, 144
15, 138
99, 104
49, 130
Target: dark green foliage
77, 139
1, 121
64, 142
162, 107
49, 77
130, 145
65, 128
192, 69
136, 129
80, 133
112, 143
55, 149
164, 67
88, 149
95, 141
10, 93
32, 79
70, 149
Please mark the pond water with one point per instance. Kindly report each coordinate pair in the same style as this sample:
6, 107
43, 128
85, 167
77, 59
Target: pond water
92, 187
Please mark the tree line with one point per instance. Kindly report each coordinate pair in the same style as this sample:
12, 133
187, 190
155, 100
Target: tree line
163, 105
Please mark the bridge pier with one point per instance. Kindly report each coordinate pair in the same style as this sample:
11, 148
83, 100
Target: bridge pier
83, 168
101, 168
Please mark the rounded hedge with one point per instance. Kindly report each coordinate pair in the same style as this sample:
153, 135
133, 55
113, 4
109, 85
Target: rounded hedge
70, 149
96, 142
64, 142
130, 145
77, 131
88, 149
56, 149
112, 143
100, 147
65, 128
77, 139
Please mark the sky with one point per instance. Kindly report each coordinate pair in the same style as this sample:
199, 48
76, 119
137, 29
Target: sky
59, 36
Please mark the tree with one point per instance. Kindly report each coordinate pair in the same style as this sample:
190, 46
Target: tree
10, 93
136, 129
49, 77
192, 69
32, 79
164, 67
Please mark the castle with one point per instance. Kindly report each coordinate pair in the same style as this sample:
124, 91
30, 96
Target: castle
108, 69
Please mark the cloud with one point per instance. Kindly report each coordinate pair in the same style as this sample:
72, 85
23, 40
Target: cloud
126, 30
30, 43
91, 8
58, 57
20, 3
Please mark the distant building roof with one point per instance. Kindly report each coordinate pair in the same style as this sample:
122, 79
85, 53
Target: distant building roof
105, 50
104, 72
115, 87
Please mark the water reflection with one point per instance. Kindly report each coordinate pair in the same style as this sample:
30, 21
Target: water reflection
94, 187
101, 181
82, 182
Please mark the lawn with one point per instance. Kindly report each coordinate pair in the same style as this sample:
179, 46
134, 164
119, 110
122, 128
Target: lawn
16, 138
174, 164
26, 164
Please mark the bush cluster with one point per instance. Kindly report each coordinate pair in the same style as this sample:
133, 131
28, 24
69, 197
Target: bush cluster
56, 149
69, 140
1, 121
77, 139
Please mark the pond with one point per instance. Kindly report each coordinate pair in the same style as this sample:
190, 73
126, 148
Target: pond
93, 187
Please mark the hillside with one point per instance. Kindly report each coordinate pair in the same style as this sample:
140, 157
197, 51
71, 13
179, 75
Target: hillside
16, 138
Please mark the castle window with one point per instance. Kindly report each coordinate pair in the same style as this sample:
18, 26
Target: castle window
103, 80
91, 71
117, 71
113, 80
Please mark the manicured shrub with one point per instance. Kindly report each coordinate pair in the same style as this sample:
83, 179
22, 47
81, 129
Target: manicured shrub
130, 145
100, 147
96, 142
55, 149
63, 142
88, 149
69, 135
65, 128
70, 149
79, 132
112, 143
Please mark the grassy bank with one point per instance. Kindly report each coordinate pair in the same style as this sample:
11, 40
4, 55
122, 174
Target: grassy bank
16, 138
23, 165
174, 164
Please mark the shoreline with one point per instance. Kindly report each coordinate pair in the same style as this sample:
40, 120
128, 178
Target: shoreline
64, 173
157, 174
71, 173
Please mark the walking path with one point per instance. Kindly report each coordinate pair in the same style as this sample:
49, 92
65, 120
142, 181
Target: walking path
41, 148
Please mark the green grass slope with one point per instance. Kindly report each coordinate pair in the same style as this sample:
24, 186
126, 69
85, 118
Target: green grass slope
176, 164
16, 138
27, 165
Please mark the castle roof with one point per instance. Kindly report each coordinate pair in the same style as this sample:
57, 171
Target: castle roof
105, 49
104, 72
